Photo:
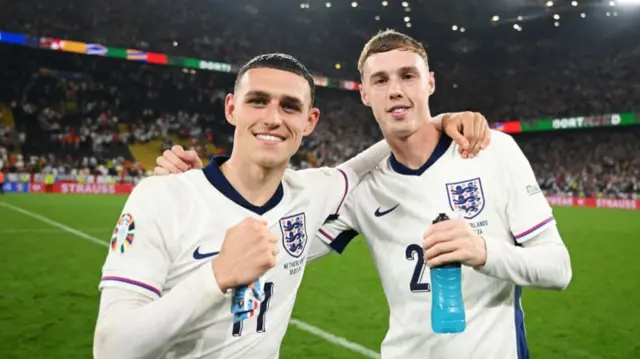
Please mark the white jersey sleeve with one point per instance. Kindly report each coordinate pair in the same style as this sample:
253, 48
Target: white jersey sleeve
357, 167
318, 249
528, 211
338, 231
348, 175
133, 304
138, 257
542, 261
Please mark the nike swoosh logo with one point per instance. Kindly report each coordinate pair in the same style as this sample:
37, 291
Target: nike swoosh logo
197, 255
380, 213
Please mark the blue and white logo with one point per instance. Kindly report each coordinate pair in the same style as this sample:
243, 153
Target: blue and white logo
294, 234
466, 197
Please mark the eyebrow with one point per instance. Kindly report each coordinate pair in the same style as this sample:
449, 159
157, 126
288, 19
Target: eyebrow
402, 69
291, 100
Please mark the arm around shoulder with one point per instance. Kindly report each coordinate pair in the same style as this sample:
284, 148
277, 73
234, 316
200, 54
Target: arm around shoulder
364, 162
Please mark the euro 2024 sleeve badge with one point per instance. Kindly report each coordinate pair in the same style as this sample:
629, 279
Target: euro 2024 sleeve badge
123, 234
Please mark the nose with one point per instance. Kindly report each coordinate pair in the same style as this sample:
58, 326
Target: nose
273, 117
395, 90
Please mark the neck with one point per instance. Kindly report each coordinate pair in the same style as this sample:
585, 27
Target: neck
414, 150
254, 183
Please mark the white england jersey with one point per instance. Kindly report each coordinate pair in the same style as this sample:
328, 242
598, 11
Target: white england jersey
392, 207
172, 226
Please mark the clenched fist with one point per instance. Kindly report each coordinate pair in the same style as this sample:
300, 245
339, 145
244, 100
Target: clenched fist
248, 251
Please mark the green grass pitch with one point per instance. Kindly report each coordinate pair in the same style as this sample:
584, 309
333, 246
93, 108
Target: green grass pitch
49, 278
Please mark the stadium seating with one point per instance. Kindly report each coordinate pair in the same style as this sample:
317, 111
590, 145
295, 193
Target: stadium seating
77, 106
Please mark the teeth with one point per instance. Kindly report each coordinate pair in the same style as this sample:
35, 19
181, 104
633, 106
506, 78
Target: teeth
399, 109
269, 138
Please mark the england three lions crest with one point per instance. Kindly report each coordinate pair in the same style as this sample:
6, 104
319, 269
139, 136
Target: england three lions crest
466, 197
294, 234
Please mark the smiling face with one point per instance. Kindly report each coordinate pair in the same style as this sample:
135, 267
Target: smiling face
272, 111
396, 83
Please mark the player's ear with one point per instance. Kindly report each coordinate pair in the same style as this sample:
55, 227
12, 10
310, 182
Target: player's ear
363, 96
229, 109
432, 83
312, 121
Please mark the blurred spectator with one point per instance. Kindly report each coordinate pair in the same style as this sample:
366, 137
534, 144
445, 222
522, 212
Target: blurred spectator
75, 113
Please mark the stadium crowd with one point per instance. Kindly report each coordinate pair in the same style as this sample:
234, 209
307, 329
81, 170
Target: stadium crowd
80, 113
588, 67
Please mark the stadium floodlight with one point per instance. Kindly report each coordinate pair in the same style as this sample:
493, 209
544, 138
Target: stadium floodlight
405, 4
462, 29
495, 18
354, 4
574, 3
328, 4
377, 17
556, 17
549, 3
608, 13
583, 15
408, 24
520, 18
556, 24
612, 3
175, 43
385, 3
407, 19
517, 27
454, 27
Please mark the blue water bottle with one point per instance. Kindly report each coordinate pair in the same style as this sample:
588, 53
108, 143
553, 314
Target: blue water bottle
447, 306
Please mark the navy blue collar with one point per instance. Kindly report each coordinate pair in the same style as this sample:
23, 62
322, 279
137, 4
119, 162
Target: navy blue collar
219, 181
443, 144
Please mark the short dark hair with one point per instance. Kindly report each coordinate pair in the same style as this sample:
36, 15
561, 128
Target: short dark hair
282, 62
389, 40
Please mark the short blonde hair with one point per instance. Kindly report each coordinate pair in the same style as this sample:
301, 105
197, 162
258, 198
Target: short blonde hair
389, 40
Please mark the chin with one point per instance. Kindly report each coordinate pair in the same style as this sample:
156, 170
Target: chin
270, 160
401, 128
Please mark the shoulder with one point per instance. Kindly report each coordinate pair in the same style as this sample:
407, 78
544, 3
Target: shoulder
501, 143
502, 148
501, 139
168, 190
314, 177
149, 187
505, 149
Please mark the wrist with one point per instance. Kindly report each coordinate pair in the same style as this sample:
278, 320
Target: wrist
481, 249
439, 121
222, 276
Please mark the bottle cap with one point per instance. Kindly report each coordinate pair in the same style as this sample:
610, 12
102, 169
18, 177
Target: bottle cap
441, 217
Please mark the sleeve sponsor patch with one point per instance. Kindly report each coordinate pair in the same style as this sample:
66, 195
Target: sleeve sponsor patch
533, 189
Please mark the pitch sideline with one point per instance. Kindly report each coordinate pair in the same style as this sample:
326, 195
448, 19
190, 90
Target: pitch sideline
339, 341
